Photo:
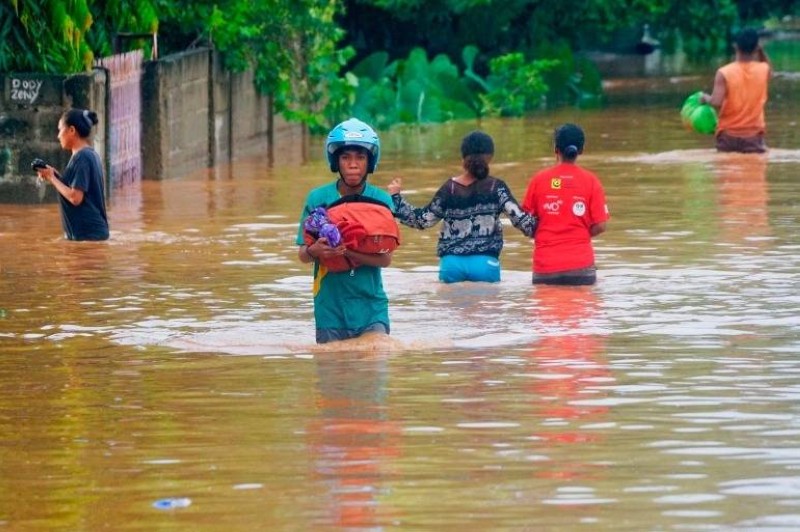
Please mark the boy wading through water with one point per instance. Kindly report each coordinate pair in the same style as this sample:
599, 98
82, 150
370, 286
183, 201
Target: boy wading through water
350, 303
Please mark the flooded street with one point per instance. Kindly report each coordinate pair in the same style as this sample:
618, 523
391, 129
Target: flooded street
168, 378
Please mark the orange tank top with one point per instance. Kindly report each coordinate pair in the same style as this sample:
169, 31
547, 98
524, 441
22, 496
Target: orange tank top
742, 111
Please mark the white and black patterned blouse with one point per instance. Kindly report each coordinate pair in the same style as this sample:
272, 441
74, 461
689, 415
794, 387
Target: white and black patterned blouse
470, 214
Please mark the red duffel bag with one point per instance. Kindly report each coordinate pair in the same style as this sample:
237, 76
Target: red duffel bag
367, 225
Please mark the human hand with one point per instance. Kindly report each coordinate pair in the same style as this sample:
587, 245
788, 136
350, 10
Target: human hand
46, 174
321, 249
395, 186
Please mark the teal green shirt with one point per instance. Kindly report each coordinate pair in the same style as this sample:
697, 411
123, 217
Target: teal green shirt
352, 299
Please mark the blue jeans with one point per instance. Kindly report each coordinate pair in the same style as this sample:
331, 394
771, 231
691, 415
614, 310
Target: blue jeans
479, 268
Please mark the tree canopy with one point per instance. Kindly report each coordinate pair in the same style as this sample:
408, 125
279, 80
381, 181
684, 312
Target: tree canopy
512, 54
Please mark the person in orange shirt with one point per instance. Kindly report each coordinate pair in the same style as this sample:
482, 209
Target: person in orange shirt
739, 95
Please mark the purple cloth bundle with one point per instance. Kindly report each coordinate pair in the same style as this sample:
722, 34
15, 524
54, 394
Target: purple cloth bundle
318, 225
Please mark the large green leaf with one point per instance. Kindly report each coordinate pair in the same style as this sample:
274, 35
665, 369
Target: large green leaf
373, 66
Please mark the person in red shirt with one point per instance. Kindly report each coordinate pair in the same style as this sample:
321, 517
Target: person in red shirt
571, 206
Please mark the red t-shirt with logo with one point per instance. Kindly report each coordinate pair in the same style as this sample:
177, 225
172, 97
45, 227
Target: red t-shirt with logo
568, 200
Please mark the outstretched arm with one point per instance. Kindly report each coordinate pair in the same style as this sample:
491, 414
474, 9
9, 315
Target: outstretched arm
520, 219
422, 218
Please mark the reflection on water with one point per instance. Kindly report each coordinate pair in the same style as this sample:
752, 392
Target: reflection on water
353, 442
664, 397
570, 374
743, 199
571, 361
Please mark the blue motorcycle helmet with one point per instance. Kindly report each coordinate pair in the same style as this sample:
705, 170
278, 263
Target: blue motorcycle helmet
353, 132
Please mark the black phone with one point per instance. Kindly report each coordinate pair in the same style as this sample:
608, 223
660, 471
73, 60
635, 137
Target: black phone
38, 164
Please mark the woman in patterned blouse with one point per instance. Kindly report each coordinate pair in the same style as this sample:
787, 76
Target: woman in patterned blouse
469, 206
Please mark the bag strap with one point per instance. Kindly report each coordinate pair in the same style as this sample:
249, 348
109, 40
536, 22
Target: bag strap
357, 198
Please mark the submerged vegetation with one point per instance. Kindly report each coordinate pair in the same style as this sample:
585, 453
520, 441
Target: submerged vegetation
387, 61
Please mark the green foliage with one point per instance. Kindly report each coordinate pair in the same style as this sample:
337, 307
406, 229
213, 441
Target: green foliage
515, 55
61, 37
121, 16
586, 84
292, 46
456, 6
375, 95
571, 79
701, 28
432, 91
416, 90
516, 87
45, 36
412, 90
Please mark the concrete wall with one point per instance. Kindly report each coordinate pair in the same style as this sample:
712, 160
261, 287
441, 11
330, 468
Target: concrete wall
197, 115
220, 128
175, 115
289, 144
241, 116
30, 108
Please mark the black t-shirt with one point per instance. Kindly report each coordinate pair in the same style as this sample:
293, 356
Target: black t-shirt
87, 221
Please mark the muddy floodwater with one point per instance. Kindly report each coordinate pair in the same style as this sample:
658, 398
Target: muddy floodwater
168, 378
